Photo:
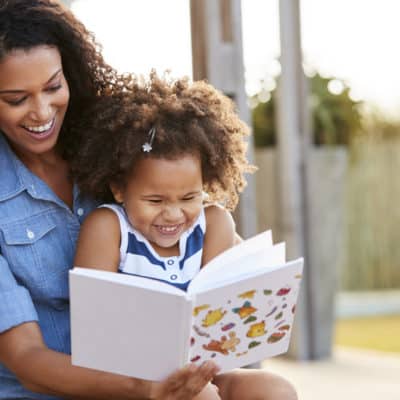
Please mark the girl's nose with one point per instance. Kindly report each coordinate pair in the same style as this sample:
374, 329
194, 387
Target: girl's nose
172, 213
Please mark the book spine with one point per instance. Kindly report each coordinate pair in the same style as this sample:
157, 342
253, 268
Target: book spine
187, 328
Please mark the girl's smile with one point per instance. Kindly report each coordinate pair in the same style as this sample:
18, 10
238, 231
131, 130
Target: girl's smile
169, 230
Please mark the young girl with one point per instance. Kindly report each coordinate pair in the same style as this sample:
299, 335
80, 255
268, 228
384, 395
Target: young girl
163, 157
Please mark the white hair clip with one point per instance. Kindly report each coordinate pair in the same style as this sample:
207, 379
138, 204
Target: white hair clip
148, 146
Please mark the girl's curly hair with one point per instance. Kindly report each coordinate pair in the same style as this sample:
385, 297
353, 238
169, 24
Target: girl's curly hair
25, 24
189, 118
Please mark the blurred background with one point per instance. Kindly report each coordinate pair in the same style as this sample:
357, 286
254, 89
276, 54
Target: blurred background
319, 83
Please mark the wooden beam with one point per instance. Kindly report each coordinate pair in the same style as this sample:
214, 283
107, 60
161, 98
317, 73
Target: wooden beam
217, 56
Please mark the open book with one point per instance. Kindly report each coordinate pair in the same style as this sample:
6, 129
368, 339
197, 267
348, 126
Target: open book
238, 310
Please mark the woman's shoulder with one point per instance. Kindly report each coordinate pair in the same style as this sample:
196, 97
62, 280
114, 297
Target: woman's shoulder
10, 183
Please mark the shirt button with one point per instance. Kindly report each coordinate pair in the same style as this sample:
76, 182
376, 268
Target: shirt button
30, 234
173, 277
80, 211
170, 262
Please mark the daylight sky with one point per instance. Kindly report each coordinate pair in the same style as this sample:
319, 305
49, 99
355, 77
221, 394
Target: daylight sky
353, 40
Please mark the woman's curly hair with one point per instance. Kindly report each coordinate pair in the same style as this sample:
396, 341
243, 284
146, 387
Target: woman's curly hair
189, 118
25, 24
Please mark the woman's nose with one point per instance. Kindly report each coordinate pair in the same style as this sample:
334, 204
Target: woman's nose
41, 111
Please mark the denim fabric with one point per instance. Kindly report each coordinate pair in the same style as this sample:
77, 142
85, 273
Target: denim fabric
38, 233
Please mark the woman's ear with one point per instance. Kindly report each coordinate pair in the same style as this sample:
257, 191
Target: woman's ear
117, 193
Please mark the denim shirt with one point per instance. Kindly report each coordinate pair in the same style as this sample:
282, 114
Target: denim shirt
38, 233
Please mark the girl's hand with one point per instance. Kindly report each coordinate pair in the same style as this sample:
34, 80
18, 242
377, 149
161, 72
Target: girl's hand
185, 383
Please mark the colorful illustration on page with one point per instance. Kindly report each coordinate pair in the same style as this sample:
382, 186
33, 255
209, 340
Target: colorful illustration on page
248, 321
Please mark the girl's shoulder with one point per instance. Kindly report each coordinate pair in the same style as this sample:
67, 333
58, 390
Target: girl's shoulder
100, 225
101, 216
220, 232
216, 215
99, 240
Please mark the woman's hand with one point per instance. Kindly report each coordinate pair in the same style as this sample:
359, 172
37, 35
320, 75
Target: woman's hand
185, 383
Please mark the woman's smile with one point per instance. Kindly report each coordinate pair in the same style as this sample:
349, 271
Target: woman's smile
41, 132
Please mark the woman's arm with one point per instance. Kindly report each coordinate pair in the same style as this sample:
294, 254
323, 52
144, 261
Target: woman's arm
220, 232
42, 370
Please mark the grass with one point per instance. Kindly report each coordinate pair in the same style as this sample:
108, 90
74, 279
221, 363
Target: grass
380, 333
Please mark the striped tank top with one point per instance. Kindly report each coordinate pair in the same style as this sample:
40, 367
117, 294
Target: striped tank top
137, 256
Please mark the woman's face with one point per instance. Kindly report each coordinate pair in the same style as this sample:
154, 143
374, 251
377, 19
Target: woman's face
34, 98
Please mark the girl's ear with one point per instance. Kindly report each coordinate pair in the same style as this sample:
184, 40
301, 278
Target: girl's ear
117, 193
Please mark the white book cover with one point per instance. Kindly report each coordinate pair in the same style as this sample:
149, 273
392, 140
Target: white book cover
238, 310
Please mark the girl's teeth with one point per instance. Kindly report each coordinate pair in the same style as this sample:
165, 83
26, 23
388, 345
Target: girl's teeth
40, 129
168, 228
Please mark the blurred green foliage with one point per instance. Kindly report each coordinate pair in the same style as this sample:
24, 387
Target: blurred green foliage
335, 117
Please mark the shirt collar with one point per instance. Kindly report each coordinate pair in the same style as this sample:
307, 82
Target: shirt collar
15, 177
10, 171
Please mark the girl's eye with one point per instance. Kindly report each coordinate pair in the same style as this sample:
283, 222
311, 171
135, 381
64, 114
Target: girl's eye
155, 201
192, 197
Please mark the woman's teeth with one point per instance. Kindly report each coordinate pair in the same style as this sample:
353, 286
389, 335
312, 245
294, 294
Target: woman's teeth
39, 129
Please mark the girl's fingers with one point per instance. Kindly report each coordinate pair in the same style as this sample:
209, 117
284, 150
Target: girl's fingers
208, 370
187, 382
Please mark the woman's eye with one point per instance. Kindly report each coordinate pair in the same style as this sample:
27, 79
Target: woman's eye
16, 102
154, 201
188, 198
54, 88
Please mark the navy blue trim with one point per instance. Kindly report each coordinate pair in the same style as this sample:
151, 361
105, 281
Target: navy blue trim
194, 243
140, 248
182, 286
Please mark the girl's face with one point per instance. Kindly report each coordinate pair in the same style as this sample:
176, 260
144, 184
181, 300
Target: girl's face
162, 199
34, 98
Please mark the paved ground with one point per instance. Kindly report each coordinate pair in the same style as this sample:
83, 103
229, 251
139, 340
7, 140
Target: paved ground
350, 374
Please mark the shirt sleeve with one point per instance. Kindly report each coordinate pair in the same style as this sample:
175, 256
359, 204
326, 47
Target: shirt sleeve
16, 306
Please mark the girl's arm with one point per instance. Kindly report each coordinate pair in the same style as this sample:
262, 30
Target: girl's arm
99, 241
220, 232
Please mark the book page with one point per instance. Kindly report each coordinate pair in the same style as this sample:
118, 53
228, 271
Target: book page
128, 280
215, 274
246, 321
261, 241
127, 329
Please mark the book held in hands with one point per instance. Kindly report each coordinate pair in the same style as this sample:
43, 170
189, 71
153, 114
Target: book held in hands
238, 310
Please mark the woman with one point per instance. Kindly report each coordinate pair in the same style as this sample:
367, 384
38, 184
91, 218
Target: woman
50, 70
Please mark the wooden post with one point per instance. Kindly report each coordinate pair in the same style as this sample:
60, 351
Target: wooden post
293, 145
218, 57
